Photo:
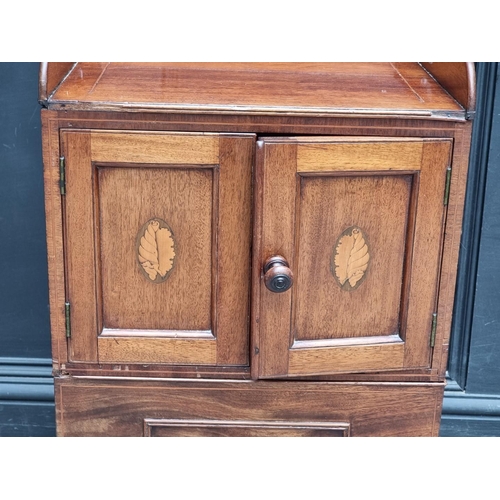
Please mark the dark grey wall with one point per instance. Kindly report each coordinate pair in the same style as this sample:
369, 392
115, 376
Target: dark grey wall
24, 318
484, 356
26, 389
472, 399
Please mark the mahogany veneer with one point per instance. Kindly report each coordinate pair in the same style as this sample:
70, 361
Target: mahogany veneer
172, 189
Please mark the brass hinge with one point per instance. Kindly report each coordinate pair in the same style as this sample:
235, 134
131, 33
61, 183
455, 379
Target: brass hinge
68, 323
433, 329
447, 186
62, 175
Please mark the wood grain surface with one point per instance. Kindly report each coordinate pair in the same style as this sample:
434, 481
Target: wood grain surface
457, 78
150, 148
290, 205
348, 358
275, 88
79, 245
242, 428
278, 237
359, 156
128, 198
54, 120
397, 298
234, 247
50, 76
119, 407
211, 235
54, 232
158, 350
427, 252
329, 205
451, 246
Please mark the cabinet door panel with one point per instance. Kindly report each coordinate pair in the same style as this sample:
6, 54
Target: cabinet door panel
375, 208
128, 199
360, 222
147, 218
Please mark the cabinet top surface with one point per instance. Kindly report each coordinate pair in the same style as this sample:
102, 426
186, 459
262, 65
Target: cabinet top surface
315, 89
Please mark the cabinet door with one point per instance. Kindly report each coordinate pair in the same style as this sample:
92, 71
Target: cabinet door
157, 246
359, 222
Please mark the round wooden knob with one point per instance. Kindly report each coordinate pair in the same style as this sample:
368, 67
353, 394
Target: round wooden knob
278, 277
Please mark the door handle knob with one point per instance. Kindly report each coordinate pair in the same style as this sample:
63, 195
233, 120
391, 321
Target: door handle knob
278, 276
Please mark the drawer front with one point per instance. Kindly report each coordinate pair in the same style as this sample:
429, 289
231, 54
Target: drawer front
102, 407
157, 246
242, 428
358, 224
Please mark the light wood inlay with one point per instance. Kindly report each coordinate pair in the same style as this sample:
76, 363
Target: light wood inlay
350, 258
156, 250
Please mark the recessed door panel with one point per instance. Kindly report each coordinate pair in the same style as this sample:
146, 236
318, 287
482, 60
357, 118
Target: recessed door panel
357, 224
147, 215
156, 224
350, 254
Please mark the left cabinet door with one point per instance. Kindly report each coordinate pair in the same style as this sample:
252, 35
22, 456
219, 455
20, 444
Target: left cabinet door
157, 237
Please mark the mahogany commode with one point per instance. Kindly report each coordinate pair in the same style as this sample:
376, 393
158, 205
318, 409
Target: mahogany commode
253, 249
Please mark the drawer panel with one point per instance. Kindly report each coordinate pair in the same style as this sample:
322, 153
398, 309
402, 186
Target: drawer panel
126, 407
242, 428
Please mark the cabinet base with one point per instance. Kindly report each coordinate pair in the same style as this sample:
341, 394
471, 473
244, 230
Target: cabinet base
128, 407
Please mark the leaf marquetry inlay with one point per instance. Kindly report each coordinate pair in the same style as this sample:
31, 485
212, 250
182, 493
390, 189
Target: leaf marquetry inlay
350, 259
156, 250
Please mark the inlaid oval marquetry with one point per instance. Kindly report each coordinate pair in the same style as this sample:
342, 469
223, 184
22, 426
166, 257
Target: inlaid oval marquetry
350, 259
156, 250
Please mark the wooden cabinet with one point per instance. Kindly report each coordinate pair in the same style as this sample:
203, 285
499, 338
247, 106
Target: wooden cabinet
360, 221
158, 238
253, 249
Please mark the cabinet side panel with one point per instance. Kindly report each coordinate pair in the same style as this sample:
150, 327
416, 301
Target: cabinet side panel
427, 252
453, 233
234, 248
55, 256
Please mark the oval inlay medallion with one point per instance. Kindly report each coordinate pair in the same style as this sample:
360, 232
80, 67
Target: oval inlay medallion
156, 250
350, 259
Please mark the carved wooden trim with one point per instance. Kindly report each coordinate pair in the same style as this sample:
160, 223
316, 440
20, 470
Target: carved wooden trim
155, 250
